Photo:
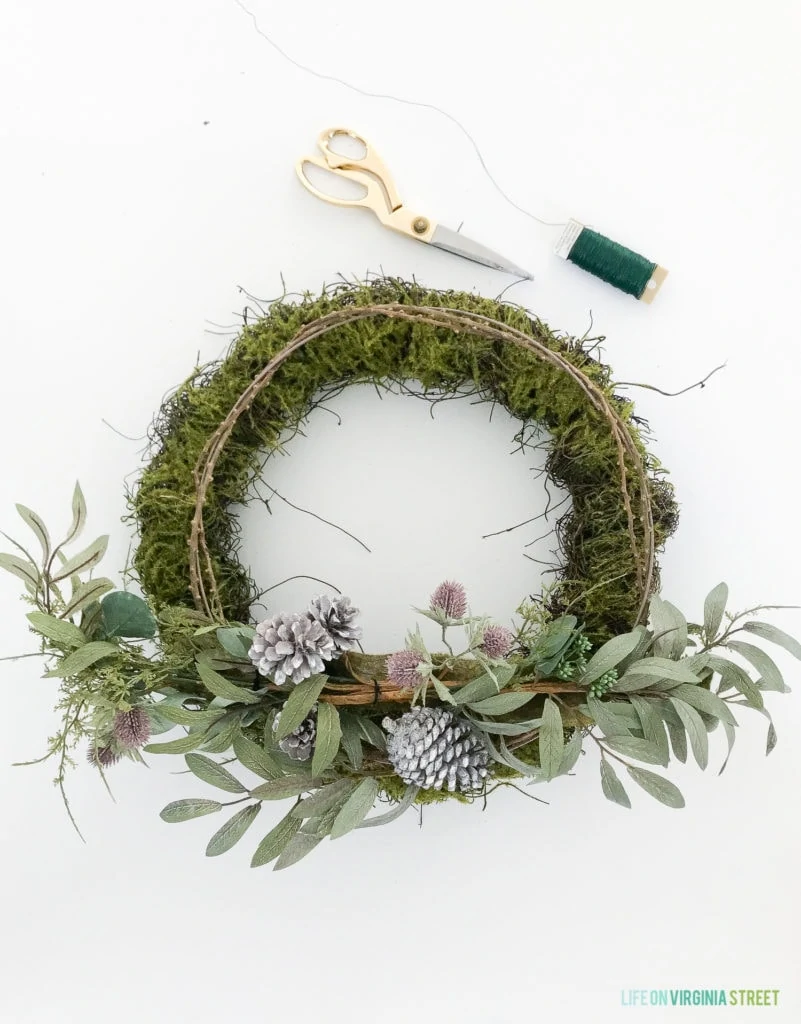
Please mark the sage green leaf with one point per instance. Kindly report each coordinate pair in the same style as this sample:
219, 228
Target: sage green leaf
630, 746
84, 560
87, 593
325, 799
506, 728
352, 739
256, 758
501, 703
505, 756
678, 734
770, 675
127, 615
329, 735
78, 516
232, 831
442, 690
356, 808
571, 753
221, 735
612, 786
669, 627
289, 785
696, 730
35, 522
222, 687
178, 715
657, 786
653, 727
21, 568
299, 703
236, 640
500, 672
476, 690
552, 739
400, 808
772, 739
372, 732
703, 700
179, 746
662, 668
320, 826
609, 656
213, 773
551, 644
296, 849
639, 651
714, 607
735, 677
610, 716
82, 658
774, 635
183, 810
63, 633
275, 841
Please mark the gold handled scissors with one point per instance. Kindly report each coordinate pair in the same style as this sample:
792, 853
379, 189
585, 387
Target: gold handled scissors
382, 198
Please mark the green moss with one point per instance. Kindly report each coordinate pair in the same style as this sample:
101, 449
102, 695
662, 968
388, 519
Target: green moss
582, 454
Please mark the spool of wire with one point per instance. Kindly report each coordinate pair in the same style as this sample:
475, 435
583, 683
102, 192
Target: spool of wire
611, 262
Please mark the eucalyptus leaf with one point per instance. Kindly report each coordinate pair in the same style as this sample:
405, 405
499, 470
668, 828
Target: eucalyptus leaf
506, 728
65, 634
82, 658
179, 746
676, 730
610, 716
696, 730
222, 687
501, 703
255, 758
21, 568
352, 739
653, 727
663, 668
356, 808
372, 732
612, 786
770, 675
221, 735
669, 627
641, 750
320, 826
735, 677
609, 656
551, 739
236, 640
326, 799
275, 841
127, 615
183, 810
289, 785
657, 786
35, 522
299, 703
178, 715
84, 560
704, 700
329, 735
87, 593
400, 808
213, 773
774, 635
714, 607
505, 756
232, 831
297, 848
476, 690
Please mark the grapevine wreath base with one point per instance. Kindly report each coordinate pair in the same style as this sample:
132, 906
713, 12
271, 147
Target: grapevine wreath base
599, 659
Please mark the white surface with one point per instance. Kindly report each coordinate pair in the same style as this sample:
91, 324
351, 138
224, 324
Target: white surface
128, 223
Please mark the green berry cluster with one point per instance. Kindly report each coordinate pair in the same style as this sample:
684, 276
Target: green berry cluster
574, 660
600, 686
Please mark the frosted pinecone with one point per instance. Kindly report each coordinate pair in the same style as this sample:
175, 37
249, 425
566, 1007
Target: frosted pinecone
290, 648
337, 618
434, 749
132, 728
299, 745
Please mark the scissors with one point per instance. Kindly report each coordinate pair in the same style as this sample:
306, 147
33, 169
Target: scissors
382, 198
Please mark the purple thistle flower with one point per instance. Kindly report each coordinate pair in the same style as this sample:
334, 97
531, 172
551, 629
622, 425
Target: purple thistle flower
101, 757
402, 668
450, 599
132, 728
497, 641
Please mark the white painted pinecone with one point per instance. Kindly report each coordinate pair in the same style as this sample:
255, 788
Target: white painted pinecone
290, 648
299, 745
434, 749
337, 617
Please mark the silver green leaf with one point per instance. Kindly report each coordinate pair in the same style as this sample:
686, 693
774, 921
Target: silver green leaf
87, 593
714, 607
551, 739
183, 810
372, 733
63, 633
296, 849
179, 746
232, 831
506, 728
176, 714
657, 786
352, 739
642, 750
613, 717
772, 738
400, 808
571, 753
35, 522
325, 799
609, 656
774, 635
299, 703
255, 758
329, 735
661, 669
442, 691
669, 627
290, 785
677, 732
78, 516
22, 569
733, 676
221, 735
477, 689
653, 727
84, 560
356, 808
82, 658
505, 756
236, 640
275, 841
770, 675
696, 730
612, 786
501, 703
222, 687
704, 700
213, 773
730, 737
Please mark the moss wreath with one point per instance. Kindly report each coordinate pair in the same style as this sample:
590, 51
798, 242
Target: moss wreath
291, 699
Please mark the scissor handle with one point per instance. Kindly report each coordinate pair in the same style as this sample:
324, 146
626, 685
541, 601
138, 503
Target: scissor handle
370, 162
374, 198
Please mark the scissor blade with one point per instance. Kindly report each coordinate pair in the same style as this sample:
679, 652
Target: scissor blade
452, 241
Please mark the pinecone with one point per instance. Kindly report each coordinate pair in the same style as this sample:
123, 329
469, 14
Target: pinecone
337, 618
290, 648
434, 749
299, 745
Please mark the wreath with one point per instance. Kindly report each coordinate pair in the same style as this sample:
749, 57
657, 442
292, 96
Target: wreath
598, 659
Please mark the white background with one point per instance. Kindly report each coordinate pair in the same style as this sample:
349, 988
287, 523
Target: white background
146, 174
